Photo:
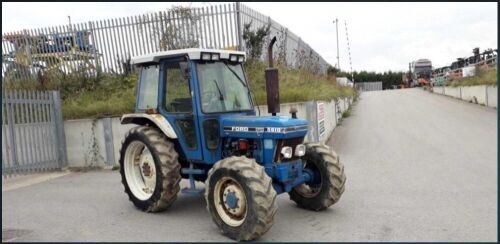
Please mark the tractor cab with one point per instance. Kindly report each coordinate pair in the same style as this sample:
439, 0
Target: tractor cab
196, 120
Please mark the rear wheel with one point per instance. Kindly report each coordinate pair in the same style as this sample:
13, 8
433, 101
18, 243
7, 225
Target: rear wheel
149, 169
330, 179
240, 197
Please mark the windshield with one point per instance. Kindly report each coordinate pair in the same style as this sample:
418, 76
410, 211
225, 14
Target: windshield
223, 87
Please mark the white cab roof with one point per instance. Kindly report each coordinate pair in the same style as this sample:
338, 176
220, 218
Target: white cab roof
193, 53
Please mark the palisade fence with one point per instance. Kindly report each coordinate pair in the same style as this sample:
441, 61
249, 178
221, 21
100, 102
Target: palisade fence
369, 86
107, 45
32, 132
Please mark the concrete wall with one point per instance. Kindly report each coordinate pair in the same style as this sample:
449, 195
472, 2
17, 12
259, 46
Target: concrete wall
438, 89
97, 143
485, 95
84, 143
119, 132
330, 120
476, 94
452, 91
492, 96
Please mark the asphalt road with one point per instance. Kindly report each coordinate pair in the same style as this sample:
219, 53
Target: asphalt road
419, 166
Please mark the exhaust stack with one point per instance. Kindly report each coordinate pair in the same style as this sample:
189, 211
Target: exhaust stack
272, 83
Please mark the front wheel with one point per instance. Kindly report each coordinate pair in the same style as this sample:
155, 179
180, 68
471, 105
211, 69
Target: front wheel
329, 183
240, 197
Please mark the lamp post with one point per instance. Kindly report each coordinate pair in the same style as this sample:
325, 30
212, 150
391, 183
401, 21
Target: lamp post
336, 22
70, 28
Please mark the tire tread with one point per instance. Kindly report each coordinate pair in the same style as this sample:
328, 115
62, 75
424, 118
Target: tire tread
169, 168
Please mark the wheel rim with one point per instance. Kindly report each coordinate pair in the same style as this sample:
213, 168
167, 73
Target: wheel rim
230, 201
310, 190
140, 170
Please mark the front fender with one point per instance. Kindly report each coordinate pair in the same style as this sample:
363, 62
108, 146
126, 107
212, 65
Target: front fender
156, 119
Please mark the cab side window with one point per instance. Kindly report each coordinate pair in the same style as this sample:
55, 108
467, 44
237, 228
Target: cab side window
148, 88
178, 100
178, 95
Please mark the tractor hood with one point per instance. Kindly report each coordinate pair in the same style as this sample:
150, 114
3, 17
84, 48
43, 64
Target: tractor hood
277, 127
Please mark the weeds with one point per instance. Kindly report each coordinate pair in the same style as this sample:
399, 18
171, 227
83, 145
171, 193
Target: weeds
346, 113
482, 77
114, 94
295, 85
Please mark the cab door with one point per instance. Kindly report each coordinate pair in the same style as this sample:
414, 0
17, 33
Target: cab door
177, 106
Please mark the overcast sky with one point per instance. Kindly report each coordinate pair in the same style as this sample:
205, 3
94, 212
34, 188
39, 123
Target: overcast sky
383, 36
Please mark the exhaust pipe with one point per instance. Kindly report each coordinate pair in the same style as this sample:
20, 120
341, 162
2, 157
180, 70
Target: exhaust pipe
272, 83
270, 52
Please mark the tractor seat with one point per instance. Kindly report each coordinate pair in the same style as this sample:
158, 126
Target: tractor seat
181, 105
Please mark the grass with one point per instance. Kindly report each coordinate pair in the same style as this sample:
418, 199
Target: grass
106, 95
482, 77
346, 113
94, 97
295, 85
114, 95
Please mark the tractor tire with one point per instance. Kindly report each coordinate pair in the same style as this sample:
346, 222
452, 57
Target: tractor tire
251, 217
155, 165
323, 194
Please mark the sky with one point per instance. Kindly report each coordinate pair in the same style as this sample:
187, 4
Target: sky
382, 36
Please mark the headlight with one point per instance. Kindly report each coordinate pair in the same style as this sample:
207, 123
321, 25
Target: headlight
286, 152
233, 58
241, 59
205, 56
300, 150
215, 56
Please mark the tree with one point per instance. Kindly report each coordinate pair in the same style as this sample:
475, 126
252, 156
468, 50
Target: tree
175, 30
332, 70
255, 39
388, 78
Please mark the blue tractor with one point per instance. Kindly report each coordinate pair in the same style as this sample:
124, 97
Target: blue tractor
196, 120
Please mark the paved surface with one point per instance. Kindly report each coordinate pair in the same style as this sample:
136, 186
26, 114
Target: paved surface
11, 183
420, 167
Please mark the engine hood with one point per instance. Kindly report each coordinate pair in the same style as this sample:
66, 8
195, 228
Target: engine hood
264, 127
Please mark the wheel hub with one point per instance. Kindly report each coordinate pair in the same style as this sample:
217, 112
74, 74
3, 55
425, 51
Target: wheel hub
232, 195
230, 202
312, 188
140, 170
146, 164
146, 170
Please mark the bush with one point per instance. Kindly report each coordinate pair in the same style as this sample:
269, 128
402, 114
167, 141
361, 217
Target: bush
114, 94
295, 85
106, 95
482, 77
346, 113
254, 40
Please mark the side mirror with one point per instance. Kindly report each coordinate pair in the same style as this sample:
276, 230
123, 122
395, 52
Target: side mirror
185, 69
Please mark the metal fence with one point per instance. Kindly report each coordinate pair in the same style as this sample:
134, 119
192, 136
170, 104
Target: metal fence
32, 132
369, 86
442, 76
107, 45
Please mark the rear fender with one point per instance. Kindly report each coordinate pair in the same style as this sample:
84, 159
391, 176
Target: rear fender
151, 119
